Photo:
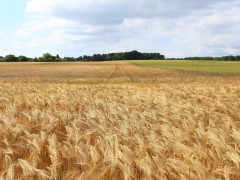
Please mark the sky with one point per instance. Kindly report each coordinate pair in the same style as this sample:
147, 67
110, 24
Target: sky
175, 28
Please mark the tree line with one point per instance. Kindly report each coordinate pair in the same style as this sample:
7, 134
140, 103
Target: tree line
47, 57
132, 55
223, 58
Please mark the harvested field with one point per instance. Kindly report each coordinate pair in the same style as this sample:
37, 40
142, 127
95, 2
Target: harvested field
131, 123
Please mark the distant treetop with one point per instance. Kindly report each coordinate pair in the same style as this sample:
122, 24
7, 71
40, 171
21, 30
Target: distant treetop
47, 57
132, 55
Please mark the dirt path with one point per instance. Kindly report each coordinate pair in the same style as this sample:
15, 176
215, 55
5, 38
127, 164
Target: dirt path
119, 74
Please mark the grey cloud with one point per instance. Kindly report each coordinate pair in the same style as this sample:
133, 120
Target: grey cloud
192, 28
114, 12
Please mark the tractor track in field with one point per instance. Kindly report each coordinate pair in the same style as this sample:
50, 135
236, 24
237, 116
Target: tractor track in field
119, 74
126, 73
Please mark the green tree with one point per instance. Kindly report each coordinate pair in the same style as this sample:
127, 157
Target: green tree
47, 57
2, 58
133, 55
22, 59
11, 58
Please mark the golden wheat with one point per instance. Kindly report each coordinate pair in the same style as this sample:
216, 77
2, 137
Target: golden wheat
123, 131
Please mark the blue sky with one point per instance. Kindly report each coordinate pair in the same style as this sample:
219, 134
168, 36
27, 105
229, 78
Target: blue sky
12, 14
11, 17
175, 28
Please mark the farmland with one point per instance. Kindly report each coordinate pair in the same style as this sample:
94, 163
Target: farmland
117, 120
209, 67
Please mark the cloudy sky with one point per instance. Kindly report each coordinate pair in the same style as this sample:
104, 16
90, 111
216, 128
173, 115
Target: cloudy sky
175, 28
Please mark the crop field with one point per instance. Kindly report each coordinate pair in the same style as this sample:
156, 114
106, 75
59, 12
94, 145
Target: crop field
116, 120
209, 67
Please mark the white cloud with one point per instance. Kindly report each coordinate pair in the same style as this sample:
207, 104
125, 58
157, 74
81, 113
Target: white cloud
174, 28
38, 6
2, 34
108, 12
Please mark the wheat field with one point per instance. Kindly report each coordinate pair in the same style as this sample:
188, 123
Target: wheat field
122, 130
